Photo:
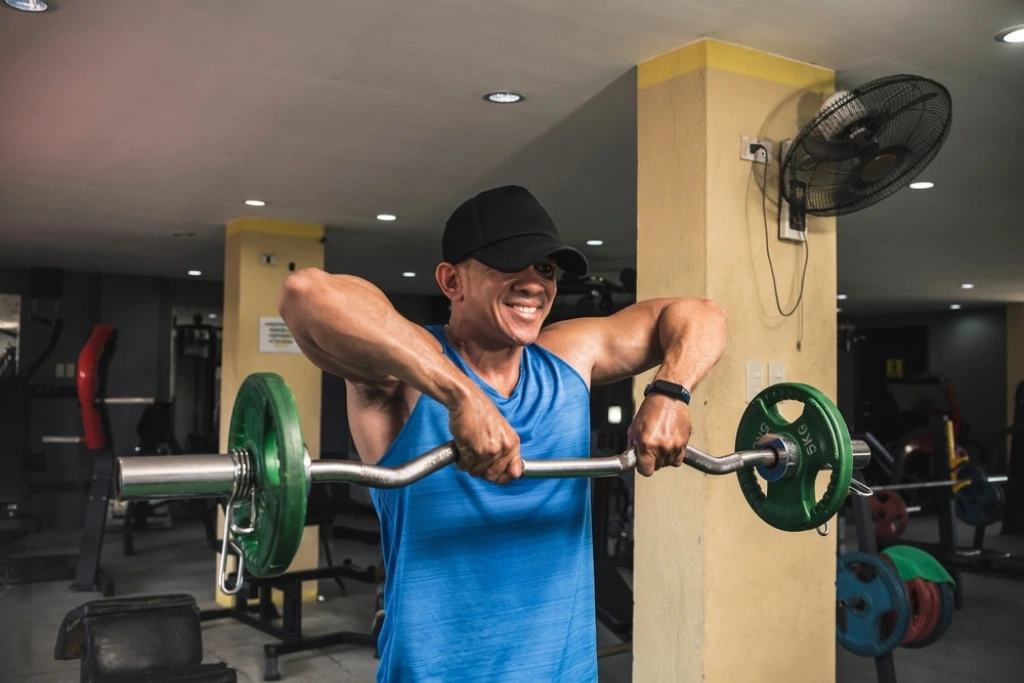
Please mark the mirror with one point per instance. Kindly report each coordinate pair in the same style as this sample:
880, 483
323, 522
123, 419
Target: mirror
10, 324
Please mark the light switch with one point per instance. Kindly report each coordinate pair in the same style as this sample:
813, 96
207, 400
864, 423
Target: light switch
69, 370
755, 379
60, 370
776, 373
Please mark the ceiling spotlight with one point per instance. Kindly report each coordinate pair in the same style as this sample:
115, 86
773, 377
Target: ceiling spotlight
595, 243
195, 273
386, 217
255, 202
211, 316
504, 97
28, 5
924, 185
841, 297
1014, 34
408, 273
967, 285
955, 307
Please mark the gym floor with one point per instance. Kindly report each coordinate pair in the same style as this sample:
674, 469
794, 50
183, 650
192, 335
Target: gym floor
983, 644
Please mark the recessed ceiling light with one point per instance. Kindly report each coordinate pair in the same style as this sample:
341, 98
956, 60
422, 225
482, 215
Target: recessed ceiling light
841, 297
211, 316
386, 217
504, 97
955, 307
28, 5
595, 243
408, 273
923, 185
1014, 34
195, 273
967, 285
255, 202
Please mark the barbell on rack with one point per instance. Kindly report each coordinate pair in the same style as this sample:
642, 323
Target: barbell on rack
267, 473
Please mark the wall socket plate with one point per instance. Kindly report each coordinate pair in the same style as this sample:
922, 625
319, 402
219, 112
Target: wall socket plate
755, 379
776, 373
792, 223
758, 157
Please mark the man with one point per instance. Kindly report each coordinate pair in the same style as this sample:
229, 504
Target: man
489, 576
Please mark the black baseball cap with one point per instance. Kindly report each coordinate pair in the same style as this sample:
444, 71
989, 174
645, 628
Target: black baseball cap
507, 229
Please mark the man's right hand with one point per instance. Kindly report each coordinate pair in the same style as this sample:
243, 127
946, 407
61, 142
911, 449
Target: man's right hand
488, 446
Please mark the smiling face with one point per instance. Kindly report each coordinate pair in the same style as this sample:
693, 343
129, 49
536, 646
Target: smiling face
505, 308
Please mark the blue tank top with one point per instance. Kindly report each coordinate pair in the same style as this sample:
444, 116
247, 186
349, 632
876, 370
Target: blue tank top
486, 582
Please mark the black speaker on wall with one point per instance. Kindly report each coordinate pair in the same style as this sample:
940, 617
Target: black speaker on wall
45, 283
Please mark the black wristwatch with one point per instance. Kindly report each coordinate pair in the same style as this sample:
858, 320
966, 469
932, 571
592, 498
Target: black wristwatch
667, 388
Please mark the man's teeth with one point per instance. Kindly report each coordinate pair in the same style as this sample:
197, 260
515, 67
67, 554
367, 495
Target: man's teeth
526, 309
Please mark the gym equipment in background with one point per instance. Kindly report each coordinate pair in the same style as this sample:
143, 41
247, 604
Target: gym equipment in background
83, 568
147, 639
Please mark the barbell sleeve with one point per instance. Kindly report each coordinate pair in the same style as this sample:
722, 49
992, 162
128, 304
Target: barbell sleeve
161, 477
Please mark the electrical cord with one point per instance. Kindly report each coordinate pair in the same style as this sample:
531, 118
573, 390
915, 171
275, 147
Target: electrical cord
807, 250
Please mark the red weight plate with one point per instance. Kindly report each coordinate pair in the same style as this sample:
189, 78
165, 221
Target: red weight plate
925, 609
889, 513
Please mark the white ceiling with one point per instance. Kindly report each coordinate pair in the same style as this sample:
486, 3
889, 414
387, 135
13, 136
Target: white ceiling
123, 122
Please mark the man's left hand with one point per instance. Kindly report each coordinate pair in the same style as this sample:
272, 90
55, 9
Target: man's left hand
660, 432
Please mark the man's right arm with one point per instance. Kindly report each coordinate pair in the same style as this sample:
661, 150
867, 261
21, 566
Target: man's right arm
347, 327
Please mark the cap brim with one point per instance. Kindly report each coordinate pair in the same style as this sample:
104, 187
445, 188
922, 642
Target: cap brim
519, 253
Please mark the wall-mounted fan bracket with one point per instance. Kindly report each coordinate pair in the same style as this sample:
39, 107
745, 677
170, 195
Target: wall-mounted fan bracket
792, 217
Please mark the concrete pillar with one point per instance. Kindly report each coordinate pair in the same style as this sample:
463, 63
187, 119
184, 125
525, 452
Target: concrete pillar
251, 290
719, 595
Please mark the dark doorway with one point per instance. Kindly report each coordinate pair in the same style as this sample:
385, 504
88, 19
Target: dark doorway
885, 354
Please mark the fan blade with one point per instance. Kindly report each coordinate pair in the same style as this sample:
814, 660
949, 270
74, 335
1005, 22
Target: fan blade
909, 105
819, 148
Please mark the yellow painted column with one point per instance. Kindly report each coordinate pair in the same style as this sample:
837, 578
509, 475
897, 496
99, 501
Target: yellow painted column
258, 256
720, 596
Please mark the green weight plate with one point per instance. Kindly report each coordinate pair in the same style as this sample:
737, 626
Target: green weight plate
265, 422
822, 439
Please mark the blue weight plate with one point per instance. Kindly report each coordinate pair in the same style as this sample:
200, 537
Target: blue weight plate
980, 504
868, 589
945, 618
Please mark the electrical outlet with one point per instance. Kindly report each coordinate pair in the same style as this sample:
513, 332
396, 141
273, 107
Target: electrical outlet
776, 373
69, 370
758, 156
268, 260
60, 370
755, 379
792, 221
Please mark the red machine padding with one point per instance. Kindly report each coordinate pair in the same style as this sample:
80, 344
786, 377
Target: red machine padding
88, 363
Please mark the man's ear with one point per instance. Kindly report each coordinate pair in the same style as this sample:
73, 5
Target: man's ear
449, 279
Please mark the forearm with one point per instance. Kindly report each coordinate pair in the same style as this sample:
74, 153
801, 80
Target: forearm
692, 339
348, 327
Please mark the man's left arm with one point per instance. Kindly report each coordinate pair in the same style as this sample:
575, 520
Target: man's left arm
686, 337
